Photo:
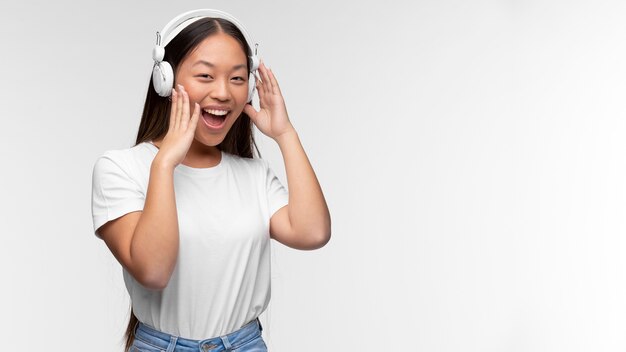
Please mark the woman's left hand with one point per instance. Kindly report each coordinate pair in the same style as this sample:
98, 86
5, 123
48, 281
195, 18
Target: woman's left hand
272, 118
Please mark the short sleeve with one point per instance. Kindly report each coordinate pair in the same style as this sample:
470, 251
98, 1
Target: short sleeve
277, 194
114, 193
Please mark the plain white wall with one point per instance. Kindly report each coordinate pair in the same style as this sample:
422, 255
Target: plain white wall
471, 153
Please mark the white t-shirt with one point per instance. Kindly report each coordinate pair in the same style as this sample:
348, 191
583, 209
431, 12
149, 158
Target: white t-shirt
221, 279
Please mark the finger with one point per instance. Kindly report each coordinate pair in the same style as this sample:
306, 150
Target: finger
250, 111
257, 79
194, 118
184, 119
266, 80
275, 87
179, 105
259, 88
173, 109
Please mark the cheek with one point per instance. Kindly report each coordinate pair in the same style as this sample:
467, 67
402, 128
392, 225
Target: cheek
236, 117
241, 91
193, 98
240, 99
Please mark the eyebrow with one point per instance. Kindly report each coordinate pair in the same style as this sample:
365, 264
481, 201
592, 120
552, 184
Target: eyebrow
206, 63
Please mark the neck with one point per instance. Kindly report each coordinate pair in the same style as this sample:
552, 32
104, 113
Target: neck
199, 155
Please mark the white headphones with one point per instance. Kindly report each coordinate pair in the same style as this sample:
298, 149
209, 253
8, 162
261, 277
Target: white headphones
162, 73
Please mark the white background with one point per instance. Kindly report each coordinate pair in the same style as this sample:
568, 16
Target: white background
471, 154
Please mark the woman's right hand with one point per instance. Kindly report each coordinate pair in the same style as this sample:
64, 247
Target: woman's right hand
181, 130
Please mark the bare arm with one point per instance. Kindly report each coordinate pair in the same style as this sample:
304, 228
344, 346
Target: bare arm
305, 222
154, 246
146, 243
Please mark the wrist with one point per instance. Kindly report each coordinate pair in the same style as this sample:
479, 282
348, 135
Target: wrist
290, 133
160, 164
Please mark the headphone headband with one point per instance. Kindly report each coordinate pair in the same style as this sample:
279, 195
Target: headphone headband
173, 27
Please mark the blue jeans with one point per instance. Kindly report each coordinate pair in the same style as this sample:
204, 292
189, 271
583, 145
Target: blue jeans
247, 339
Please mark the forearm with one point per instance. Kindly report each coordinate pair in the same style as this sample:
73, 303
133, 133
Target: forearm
308, 212
154, 247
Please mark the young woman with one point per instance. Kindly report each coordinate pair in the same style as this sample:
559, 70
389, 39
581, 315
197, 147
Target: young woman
188, 211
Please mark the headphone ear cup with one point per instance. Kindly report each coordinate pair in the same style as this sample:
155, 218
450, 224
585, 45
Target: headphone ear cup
163, 78
255, 62
251, 86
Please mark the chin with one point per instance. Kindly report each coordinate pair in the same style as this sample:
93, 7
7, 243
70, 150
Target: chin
209, 141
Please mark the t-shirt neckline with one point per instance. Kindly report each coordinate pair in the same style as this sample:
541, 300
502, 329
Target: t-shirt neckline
195, 171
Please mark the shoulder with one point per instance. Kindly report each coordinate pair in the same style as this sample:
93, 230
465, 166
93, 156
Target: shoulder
130, 160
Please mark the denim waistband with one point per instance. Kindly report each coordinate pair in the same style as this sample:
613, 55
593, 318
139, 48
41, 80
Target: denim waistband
226, 342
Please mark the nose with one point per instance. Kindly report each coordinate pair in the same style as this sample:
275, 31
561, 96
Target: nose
220, 90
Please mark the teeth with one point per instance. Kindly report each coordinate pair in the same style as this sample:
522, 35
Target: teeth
217, 112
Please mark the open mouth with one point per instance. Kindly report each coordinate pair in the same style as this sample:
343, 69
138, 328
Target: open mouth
214, 118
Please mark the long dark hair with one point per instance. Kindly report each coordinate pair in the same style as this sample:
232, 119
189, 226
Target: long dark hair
155, 117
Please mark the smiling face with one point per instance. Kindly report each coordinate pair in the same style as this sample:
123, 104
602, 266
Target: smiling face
215, 76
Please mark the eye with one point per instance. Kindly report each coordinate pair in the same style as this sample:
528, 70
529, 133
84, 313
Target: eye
239, 80
205, 76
